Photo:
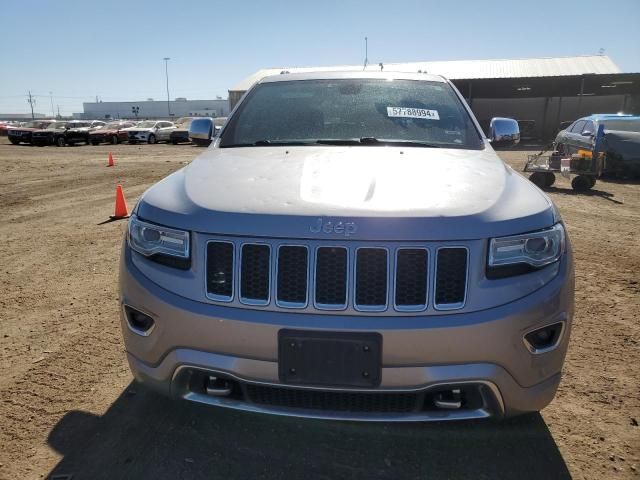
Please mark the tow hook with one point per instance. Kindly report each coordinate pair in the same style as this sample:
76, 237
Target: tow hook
450, 400
218, 386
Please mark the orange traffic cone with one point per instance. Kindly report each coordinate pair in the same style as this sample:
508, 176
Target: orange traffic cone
111, 162
121, 204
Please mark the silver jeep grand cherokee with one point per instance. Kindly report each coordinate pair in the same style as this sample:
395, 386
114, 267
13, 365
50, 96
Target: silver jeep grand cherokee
350, 247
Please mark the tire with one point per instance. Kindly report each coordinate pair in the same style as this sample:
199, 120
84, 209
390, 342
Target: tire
14, 141
151, 139
549, 179
174, 141
60, 142
581, 183
539, 179
592, 179
114, 140
94, 142
560, 149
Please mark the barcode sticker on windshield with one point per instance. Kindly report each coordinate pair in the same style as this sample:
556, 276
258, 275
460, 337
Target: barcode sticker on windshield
404, 112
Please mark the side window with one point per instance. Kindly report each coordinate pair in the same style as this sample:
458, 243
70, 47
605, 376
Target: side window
577, 127
589, 127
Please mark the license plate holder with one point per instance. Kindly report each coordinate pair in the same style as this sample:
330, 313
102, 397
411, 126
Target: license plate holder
332, 359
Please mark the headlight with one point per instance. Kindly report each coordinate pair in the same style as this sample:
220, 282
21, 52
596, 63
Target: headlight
526, 252
165, 245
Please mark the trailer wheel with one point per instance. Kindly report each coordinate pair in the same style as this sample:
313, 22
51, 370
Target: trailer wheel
539, 179
549, 179
582, 183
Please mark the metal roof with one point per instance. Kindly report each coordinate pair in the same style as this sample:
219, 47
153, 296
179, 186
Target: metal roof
468, 69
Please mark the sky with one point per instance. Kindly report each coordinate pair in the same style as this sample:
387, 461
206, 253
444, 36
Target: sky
114, 49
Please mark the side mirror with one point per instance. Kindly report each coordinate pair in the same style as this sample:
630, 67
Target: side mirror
587, 133
202, 131
504, 132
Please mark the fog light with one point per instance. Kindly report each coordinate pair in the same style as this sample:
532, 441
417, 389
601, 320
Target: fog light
139, 322
544, 339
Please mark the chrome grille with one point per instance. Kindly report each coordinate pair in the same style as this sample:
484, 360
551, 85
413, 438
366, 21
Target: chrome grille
371, 279
451, 278
220, 265
412, 272
255, 274
320, 276
293, 276
331, 277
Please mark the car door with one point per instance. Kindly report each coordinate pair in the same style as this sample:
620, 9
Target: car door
164, 130
572, 137
585, 138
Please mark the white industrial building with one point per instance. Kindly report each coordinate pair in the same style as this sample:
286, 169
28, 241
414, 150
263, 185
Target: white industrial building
155, 109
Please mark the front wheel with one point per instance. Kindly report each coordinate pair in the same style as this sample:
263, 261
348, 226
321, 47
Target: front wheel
582, 183
114, 140
60, 142
152, 139
539, 179
94, 142
14, 141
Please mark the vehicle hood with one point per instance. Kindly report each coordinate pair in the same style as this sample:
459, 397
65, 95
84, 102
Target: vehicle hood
138, 129
41, 131
23, 129
79, 129
389, 193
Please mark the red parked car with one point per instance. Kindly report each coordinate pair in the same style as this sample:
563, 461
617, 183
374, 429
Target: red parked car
23, 134
111, 133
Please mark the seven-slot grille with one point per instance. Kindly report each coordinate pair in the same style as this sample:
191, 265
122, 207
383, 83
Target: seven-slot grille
335, 277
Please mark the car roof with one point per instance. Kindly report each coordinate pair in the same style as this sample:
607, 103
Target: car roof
610, 116
339, 75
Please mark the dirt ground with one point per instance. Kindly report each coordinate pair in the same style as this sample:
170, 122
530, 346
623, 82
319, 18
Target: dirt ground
68, 405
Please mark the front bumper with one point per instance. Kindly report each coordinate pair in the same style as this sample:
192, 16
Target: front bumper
484, 350
139, 137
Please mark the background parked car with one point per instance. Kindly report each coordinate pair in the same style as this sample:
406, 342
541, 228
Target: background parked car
78, 131
180, 133
112, 132
621, 143
54, 134
23, 133
580, 135
150, 131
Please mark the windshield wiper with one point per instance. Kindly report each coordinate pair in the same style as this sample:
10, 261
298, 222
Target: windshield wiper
375, 141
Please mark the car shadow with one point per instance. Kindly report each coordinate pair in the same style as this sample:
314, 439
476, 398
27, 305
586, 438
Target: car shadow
144, 435
586, 193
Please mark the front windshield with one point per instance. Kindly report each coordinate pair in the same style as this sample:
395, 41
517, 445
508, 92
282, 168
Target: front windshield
146, 124
113, 125
57, 126
626, 125
367, 111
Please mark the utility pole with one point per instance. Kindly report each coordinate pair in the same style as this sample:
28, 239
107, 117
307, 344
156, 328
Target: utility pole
58, 111
31, 101
53, 113
366, 52
166, 73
